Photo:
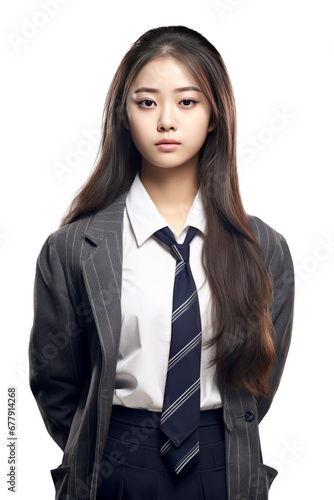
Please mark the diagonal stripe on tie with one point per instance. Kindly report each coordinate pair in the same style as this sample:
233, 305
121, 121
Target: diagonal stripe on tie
183, 307
193, 343
179, 267
180, 401
183, 462
179, 442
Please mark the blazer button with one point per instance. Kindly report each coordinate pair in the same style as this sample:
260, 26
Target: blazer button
249, 416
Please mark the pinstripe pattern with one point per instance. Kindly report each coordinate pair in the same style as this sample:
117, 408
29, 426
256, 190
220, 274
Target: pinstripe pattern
77, 290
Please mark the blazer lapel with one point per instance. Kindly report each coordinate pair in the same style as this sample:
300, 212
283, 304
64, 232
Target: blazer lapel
102, 273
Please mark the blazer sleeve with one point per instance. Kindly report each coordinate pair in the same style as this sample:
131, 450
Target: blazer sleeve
57, 346
281, 270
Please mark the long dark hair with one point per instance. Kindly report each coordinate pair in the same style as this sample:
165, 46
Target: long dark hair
232, 257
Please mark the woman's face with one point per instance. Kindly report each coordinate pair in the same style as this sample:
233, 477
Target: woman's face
164, 102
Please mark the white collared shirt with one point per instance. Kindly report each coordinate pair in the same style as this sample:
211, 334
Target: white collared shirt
146, 303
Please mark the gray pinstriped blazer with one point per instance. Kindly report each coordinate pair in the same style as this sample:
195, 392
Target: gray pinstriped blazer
74, 344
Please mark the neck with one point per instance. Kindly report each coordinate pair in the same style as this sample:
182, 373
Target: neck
171, 189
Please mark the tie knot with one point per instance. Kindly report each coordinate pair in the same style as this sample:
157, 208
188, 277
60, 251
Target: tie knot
180, 250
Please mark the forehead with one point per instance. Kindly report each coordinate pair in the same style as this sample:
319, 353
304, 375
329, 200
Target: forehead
164, 72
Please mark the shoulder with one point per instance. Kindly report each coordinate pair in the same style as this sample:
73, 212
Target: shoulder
73, 242
64, 239
274, 245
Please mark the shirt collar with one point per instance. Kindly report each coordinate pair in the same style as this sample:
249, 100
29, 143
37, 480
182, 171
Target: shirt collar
145, 218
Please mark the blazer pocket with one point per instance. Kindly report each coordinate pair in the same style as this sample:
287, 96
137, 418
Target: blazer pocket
60, 478
266, 476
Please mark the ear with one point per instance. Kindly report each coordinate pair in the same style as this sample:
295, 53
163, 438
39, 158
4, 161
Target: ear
124, 119
125, 123
211, 127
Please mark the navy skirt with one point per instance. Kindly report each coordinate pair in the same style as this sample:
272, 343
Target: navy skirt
133, 468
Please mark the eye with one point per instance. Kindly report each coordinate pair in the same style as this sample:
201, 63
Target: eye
147, 102
188, 101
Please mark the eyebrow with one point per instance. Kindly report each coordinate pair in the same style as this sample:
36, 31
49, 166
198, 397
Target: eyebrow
156, 91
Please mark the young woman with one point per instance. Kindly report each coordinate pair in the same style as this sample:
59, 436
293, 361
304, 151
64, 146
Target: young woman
163, 312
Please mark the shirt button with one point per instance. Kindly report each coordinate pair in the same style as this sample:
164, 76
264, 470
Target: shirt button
249, 416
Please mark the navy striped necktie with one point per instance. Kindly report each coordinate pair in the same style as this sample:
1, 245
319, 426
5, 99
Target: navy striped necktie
179, 422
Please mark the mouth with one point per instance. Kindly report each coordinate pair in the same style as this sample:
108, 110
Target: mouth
167, 141
167, 145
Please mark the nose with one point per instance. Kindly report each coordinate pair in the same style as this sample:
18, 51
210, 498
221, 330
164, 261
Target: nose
166, 120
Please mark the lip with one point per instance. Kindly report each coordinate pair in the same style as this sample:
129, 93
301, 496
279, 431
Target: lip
167, 141
165, 146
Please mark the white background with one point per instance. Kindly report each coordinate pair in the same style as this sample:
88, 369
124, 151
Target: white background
279, 54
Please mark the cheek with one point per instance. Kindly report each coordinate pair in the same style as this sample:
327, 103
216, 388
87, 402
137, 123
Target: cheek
138, 126
134, 131
198, 130
138, 135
